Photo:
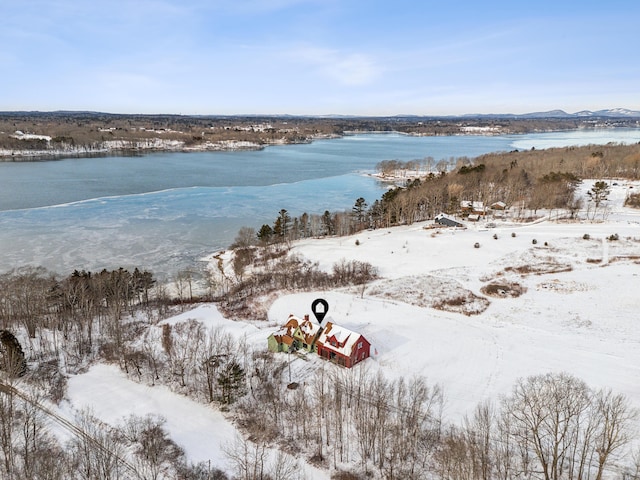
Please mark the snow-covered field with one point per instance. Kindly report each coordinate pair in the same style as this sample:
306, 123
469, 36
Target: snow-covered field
565, 303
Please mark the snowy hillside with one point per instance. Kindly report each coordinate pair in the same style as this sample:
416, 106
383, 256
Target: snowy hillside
545, 296
577, 313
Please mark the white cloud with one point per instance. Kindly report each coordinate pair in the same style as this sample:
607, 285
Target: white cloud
349, 69
261, 6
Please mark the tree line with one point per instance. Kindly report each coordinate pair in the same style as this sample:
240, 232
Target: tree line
525, 181
550, 426
87, 130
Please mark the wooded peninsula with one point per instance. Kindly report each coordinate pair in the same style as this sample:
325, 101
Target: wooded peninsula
28, 136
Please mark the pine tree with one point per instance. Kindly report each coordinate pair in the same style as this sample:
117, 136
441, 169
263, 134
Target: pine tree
265, 233
327, 223
599, 192
231, 380
285, 220
359, 210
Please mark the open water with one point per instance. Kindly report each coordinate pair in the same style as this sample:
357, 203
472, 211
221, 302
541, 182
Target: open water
165, 211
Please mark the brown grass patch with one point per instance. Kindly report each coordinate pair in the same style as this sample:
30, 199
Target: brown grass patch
541, 268
633, 200
468, 304
430, 291
623, 258
503, 290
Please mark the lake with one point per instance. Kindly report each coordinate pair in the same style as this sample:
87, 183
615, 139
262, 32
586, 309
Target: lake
165, 211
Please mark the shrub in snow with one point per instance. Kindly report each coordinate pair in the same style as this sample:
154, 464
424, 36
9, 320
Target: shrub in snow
586, 236
513, 234
495, 236
503, 289
357, 242
614, 237
476, 245
534, 241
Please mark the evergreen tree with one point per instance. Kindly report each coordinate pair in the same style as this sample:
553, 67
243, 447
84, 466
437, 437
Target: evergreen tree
304, 225
328, 225
282, 224
359, 211
599, 192
265, 233
12, 358
231, 380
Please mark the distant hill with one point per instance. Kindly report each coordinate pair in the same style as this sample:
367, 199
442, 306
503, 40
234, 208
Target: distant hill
612, 112
608, 113
551, 114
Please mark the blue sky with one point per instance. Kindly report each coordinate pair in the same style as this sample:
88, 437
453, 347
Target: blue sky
364, 57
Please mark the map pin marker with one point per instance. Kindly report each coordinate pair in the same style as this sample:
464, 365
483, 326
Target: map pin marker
320, 307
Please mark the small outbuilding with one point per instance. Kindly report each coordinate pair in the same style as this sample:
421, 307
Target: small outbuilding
447, 220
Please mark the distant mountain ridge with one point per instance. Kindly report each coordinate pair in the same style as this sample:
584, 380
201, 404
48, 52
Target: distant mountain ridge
612, 112
558, 113
607, 113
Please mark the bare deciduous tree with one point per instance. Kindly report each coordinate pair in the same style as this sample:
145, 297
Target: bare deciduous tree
567, 430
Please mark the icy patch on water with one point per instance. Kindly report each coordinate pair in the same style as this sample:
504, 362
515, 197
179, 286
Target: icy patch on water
163, 231
576, 138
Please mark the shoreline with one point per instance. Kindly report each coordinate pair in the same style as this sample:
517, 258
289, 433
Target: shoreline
43, 136
140, 147
134, 148
133, 151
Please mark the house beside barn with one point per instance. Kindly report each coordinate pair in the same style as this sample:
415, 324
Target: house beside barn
332, 342
283, 339
342, 346
499, 209
467, 207
306, 334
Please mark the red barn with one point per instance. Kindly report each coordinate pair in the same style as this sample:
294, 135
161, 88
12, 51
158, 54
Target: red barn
342, 346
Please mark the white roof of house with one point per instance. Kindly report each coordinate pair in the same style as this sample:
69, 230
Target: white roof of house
341, 334
442, 216
289, 327
308, 327
470, 204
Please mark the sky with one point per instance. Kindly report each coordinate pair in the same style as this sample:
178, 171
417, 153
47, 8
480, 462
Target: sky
319, 57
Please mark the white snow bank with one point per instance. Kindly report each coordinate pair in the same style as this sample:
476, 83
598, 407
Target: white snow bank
200, 429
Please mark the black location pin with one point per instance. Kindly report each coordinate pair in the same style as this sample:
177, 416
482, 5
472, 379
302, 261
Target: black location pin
320, 307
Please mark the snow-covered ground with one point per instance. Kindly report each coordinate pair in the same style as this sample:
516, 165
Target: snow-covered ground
201, 430
577, 312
